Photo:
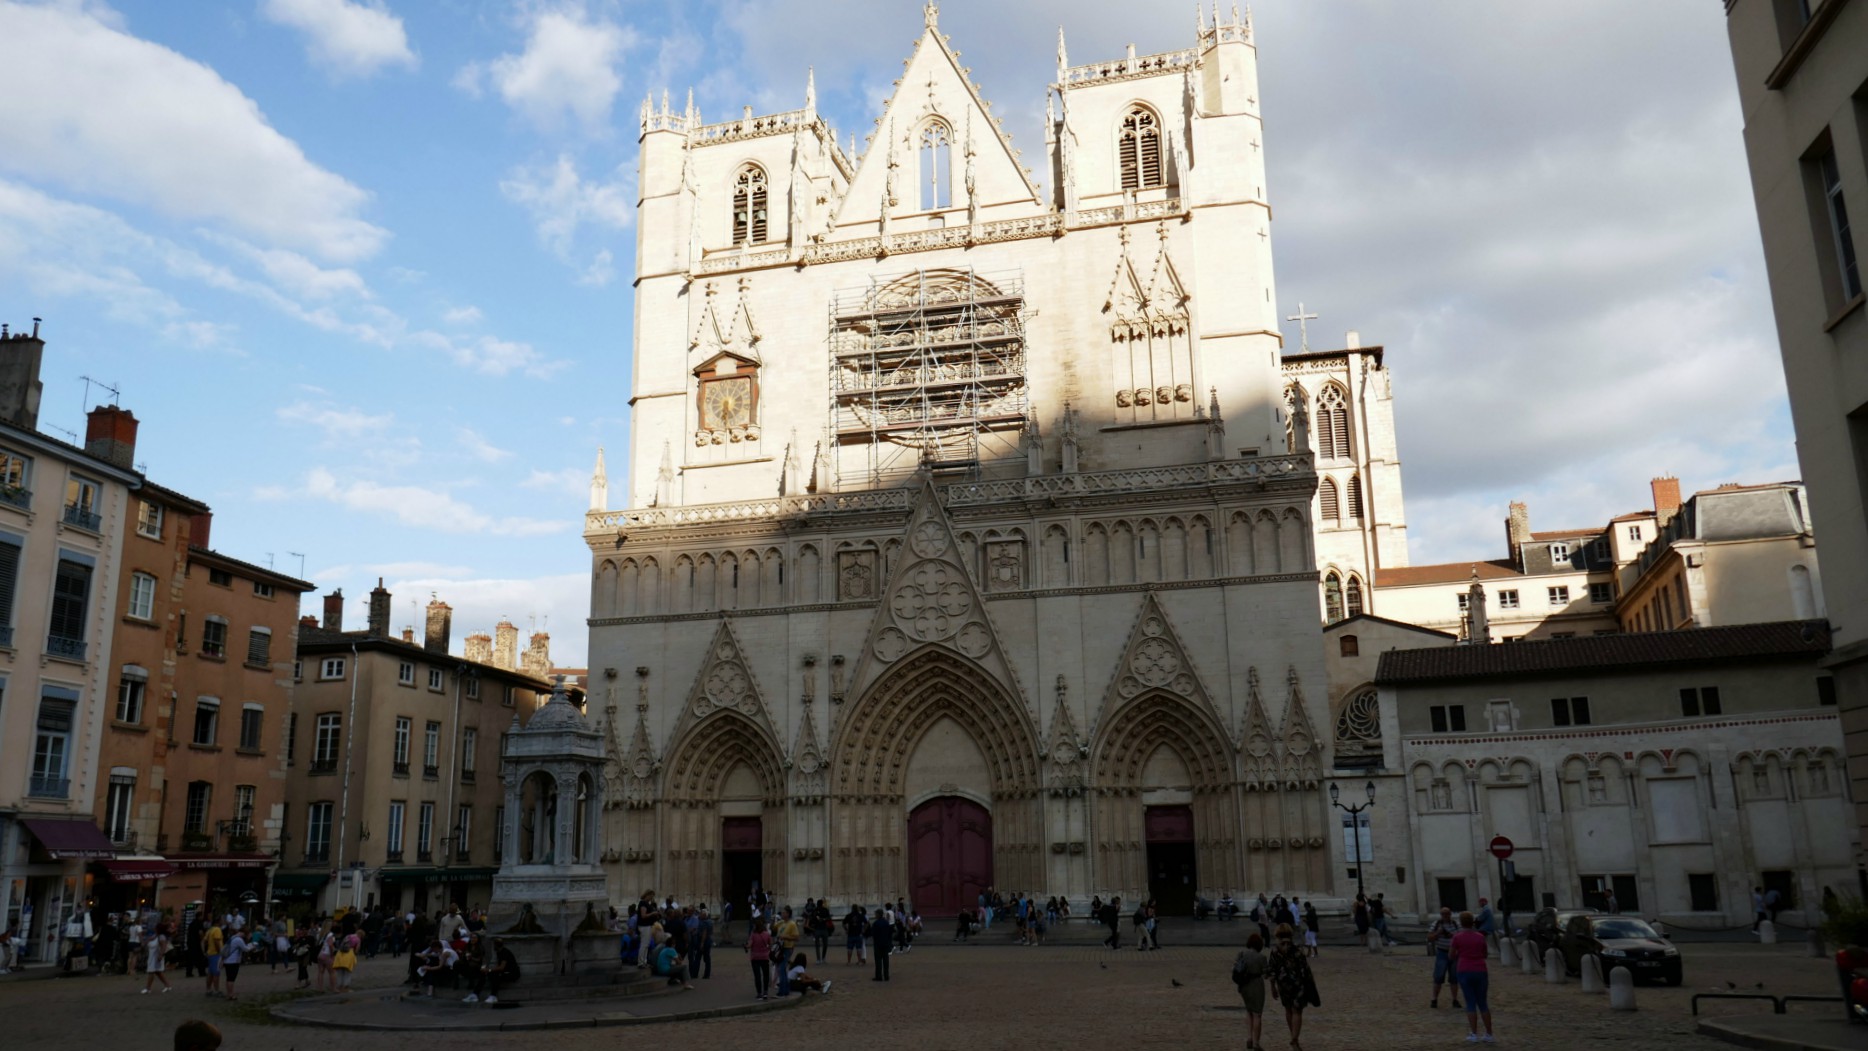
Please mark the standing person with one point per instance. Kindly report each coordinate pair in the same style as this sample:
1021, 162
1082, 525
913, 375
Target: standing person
212, 941
700, 946
344, 961
232, 955
882, 929
1440, 944
1612, 906
1111, 917
327, 960
985, 910
1378, 918
787, 933
1291, 982
157, 946
191, 944
1310, 927
1261, 912
759, 951
1773, 903
1469, 947
824, 925
1248, 973
1757, 908
855, 933
1360, 913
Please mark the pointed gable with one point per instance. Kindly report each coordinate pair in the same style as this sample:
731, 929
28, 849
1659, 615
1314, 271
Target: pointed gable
729, 331
1154, 658
724, 683
1260, 747
935, 86
1302, 759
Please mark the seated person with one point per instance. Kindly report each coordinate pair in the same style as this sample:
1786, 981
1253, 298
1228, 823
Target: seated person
500, 968
801, 980
441, 968
668, 963
1227, 907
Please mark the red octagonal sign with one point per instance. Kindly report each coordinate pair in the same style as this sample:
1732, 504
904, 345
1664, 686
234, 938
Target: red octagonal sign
1501, 847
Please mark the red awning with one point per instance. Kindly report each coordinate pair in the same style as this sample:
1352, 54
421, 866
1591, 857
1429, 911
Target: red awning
133, 870
65, 838
221, 861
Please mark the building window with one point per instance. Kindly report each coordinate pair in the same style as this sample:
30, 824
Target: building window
1349, 646
1332, 598
118, 805
473, 686
51, 752
324, 745
214, 638
1500, 717
470, 739
936, 152
425, 832
1559, 553
1560, 595
1680, 599
262, 590
1826, 690
396, 809
1599, 551
1569, 711
436, 680
331, 668
195, 813
401, 755
749, 206
220, 578
1847, 271
1328, 501
207, 720
1331, 424
132, 686
71, 595
506, 697
1703, 700
1508, 599
1634, 533
318, 832
1139, 150
405, 674
9, 578
149, 519
1353, 596
142, 596
463, 831
252, 717
1464, 599
1601, 594
243, 809
1355, 496
82, 499
1447, 718
291, 736
499, 834
259, 647
1703, 891
431, 750
15, 479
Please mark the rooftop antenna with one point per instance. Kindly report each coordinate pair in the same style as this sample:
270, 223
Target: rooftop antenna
73, 435
268, 560
88, 383
301, 562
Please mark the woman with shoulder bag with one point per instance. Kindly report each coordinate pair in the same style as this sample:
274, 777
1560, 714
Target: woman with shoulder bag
759, 948
158, 948
1248, 973
1291, 982
327, 957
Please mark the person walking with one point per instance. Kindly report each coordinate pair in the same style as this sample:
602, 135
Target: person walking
212, 941
157, 946
1757, 908
823, 925
1248, 973
1111, 917
1292, 984
759, 951
882, 930
855, 931
1440, 944
1360, 913
232, 955
1468, 951
1378, 919
1311, 925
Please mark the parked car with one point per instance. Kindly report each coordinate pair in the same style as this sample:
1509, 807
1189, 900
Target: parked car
1547, 927
1620, 941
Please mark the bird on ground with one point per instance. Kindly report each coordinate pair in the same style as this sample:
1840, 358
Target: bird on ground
1731, 985
1103, 965
1176, 982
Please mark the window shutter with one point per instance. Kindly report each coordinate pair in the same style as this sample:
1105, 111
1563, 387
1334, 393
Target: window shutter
259, 647
9, 575
1131, 179
1326, 495
1355, 497
1150, 151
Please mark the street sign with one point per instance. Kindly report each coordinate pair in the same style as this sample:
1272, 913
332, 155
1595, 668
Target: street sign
1501, 847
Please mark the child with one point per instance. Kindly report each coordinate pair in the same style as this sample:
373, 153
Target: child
803, 981
231, 957
345, 960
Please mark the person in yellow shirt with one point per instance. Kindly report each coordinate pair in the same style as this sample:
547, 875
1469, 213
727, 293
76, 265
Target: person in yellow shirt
211, 941
788, 934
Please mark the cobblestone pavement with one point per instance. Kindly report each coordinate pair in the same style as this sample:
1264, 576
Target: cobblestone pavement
984, 997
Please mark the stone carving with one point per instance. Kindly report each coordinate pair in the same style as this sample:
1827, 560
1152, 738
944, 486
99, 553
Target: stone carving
1303, 766
1261, 766
1005, 565
856, 576
725, 682
1155, 659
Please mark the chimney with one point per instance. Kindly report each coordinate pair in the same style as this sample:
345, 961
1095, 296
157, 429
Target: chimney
379, 610
200, 528
1666, 490
408, 636
110, 435
307, 621
1353, 341
334, 611
1517, 528
537, 659
506, 645
440, 625
20, 357
479, 648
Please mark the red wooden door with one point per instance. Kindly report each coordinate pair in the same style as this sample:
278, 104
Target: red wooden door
949, 855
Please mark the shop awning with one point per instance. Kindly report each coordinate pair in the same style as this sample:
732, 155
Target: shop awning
299, 880
427, 874
132, 870
64, 838
221, 861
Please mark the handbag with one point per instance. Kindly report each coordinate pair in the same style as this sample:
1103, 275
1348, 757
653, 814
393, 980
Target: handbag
345, 959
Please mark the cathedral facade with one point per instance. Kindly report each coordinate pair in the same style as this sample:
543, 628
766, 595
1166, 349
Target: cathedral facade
963, 544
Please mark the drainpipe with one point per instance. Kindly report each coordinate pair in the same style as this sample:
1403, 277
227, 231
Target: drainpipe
453, 774
350, 740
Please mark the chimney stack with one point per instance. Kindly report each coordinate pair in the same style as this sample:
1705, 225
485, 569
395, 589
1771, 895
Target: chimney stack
440, 626
20, 358
379, 610
200, 529
307, 621
479, 648
1517, 528
110, 435
506, 645
1666, 490
537, 659
334, 611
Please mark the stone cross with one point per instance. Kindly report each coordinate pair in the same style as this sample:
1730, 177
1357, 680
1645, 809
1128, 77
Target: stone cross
1303, 326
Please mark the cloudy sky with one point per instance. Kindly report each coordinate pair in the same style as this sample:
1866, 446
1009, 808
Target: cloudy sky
363, 268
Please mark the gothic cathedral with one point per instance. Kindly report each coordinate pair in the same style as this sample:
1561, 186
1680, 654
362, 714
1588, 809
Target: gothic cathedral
963, 542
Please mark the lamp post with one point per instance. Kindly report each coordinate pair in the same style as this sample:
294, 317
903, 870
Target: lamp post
1355, 823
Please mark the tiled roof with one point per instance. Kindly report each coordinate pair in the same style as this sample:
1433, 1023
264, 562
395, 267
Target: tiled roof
172, 497
259, 573
1603, 653
1631, 516
318, 639
1565, 534
1444, 573
1372, 618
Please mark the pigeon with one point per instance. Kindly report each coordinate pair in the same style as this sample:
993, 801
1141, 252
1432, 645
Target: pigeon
1105, 966
1760, 985
1731, 985
1176, 982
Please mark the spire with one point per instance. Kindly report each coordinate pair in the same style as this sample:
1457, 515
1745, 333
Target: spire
1063, 58
810, 90
664, 478
600, 485
693, 118
1199, 19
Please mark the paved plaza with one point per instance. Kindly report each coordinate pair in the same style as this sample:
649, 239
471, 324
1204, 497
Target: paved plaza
978, 997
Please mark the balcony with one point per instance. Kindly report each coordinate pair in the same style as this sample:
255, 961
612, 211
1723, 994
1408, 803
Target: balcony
394, 857
60, 646
431, 772
425, 856
243, 844
461, 857
324, 766
466, 777
197, 842
84, 518
317, 855
48, 787
400, 770
15, 496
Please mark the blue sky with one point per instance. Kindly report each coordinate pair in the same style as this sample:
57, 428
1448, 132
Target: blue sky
362, 268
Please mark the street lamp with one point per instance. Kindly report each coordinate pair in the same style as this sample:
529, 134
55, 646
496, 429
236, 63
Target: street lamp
1355, 823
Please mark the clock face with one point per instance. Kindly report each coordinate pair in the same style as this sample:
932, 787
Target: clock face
726, 403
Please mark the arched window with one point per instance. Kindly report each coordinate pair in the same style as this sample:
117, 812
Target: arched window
1327, 499
1354, 592
749, 208
1350, 646
1331, 424
1355, 496
936, 167
1139, 150
1332, 598
1359, 726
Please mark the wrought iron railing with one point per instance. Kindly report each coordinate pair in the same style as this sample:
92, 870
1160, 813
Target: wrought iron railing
60, 646
83, 518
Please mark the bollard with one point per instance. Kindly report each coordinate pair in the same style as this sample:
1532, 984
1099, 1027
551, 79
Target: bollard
1817, 948
1592, 974
1507, 953
1375, 942
1491, 945
1767, 932
1554, 970
1527, 951
1621, 990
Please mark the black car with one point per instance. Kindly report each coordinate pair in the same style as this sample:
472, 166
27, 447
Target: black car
1547, 928
1619, 941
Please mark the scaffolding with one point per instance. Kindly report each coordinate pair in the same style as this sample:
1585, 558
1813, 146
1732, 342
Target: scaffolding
928, 370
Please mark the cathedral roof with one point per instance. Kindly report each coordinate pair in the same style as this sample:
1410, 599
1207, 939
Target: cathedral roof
1444, 573
1605, 654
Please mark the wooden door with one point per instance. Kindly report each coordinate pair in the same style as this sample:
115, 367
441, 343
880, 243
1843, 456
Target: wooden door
949, 855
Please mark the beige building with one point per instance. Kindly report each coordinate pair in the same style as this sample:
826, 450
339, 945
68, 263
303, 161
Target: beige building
1678, 769
1738, 554
1802, 72
392, 749
62, 514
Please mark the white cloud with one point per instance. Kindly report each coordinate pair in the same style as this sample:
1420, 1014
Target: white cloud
126, 118
413, 506
561, 202
348, 38
568, 67
468, 315
556, 604
481, 449
566, 481
337, 423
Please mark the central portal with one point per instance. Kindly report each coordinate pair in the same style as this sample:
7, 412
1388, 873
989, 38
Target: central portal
1171, 859
949, 855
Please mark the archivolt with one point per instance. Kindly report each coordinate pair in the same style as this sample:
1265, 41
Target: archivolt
1150, 720
712, 748
872, 746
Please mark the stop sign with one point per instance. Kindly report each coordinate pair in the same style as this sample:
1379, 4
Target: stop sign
1501, 847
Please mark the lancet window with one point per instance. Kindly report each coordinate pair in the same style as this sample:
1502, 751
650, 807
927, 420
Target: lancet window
936, 166
1139, 149
1332, 597
749, 206
1332, 424
1329, 501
